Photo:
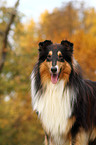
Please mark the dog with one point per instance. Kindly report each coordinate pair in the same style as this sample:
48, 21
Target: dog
64, 101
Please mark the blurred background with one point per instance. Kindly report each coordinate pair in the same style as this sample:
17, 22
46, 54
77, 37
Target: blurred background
23, 24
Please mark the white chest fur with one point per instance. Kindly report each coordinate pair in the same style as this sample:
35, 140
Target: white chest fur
54, 107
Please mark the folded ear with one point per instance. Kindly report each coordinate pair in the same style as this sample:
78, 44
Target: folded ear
44, 44
67, 44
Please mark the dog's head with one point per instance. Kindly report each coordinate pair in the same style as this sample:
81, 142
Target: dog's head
55, 60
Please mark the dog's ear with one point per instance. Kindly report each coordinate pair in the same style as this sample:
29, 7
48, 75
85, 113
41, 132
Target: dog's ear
44, 44
43, 50
68, 45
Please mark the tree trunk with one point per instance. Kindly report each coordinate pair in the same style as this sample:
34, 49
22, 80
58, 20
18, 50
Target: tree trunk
5, 39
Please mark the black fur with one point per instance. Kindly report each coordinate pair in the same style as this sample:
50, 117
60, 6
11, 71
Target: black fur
43, 49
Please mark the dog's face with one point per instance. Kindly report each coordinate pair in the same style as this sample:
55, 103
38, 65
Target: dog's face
55, 60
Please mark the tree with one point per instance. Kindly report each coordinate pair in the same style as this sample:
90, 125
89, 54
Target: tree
25, 37
18, 124
89, 21
60, 23
5, 34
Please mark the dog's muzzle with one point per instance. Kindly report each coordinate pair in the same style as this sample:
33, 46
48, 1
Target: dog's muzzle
54, 74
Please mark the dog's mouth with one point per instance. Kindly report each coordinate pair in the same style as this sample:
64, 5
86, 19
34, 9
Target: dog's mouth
54, 78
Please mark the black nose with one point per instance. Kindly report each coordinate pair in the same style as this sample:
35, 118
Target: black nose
53, 69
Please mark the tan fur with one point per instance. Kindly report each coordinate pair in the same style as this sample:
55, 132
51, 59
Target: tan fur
66, 70
82, 138
50, 53
45, 68
70, 123
45, 72
46, 140
59, 53
93, 134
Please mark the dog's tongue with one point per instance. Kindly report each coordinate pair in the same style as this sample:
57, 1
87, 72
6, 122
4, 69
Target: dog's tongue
54, 78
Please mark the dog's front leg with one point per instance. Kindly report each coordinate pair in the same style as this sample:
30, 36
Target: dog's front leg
48, 140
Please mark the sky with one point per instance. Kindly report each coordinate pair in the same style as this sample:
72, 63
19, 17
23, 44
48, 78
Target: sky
33, 8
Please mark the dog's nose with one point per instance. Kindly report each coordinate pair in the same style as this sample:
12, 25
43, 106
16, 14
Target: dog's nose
53, 69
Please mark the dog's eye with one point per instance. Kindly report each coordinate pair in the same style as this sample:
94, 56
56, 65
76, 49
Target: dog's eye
60, 58
49, 57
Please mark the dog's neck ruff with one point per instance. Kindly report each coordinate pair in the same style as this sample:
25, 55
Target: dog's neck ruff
54, 106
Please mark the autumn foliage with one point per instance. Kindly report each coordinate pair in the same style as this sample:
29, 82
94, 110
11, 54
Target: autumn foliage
18, 124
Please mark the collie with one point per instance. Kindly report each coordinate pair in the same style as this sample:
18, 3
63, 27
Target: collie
64, 101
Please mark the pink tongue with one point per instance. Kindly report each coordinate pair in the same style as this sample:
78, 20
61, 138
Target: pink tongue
54, 78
